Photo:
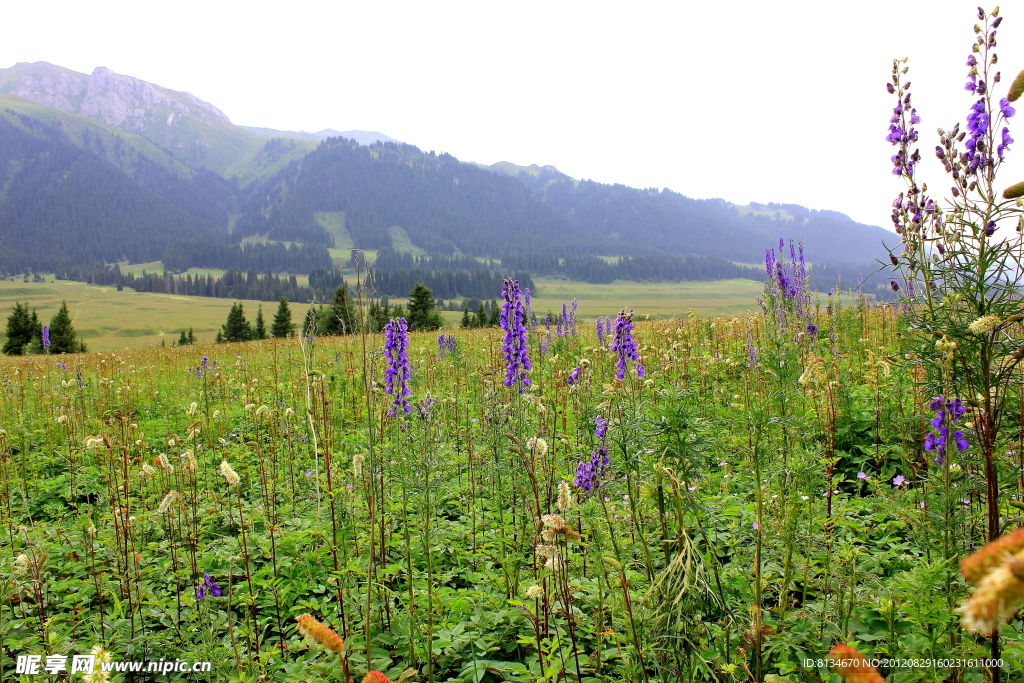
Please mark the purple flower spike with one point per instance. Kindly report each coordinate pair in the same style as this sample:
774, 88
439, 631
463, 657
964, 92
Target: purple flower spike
46, 336
398, 372
589, 473
514, 350
625, 345
947, 413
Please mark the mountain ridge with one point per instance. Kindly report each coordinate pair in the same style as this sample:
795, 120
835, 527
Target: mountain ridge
371, 191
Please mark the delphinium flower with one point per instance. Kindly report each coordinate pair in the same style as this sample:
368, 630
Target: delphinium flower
946, 416
600, 331
589, 473
46, 336
398, 371
446, 344
514, 350
207, 587
574, 376
751, 349
625, 346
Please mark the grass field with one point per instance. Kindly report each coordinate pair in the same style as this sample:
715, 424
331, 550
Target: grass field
107, 319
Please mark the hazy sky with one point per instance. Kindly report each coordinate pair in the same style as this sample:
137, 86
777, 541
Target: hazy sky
750, 101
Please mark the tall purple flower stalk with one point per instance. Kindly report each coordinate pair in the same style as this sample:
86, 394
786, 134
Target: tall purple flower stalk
446, 344
946, 416
787, 289
589, 473
625, 346
208, 587
514, 350
398, 372
46, 336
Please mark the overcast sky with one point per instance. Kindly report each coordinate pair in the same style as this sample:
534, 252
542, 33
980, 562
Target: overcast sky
749, 101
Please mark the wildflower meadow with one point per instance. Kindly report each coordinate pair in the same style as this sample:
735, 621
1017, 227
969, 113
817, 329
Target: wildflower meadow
826, 489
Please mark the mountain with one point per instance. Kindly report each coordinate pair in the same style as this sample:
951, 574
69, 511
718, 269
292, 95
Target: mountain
194, 132
61, 205
181, 183
363, 137
629, 219
439, 204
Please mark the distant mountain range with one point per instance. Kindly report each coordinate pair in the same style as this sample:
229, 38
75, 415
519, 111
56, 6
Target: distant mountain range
179, 180
363, 137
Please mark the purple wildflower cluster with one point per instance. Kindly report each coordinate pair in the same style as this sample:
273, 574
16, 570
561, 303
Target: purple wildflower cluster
946, 416
751, 349
787, 286
984, 148
625, 346
207, 587
446, 344
514, 350
589, 473
565, 324
574, 376
46, 336
396, 376
604, 328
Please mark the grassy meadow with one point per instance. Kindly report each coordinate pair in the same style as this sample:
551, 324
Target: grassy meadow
110, 320
765, 496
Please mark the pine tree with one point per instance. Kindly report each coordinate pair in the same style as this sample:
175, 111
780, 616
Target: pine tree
340, 317
191, 337
467, 319
22, 328
236, 328
260, 330
422, 315
183, 339
62, 332
282, 327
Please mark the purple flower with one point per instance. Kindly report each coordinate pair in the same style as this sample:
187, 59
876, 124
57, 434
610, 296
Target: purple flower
600, 331
898, 480
977, 128
862, 475
398, 372
514, 350
812, 330
625, 345
947, 414
589, 473
1004, 145
574, 376
446, 344
46, 336
1005, 107
208, 587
